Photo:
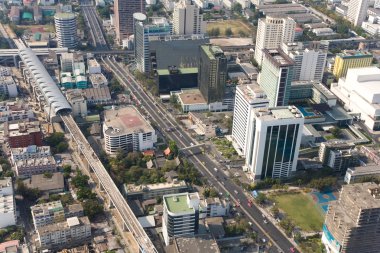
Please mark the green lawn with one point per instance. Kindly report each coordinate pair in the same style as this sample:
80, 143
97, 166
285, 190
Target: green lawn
302, 210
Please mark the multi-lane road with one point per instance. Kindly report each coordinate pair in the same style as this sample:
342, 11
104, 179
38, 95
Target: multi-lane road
205, 165
90, 17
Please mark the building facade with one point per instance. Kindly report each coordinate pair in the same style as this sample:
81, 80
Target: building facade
143, 32
72, 232
28, 167
180, 215
274, 140
247, 97
212, 73
271, 32
351, 59
151, 191
23, 134
338, 155
187, 19
66, 29
123, 17
357, 11
276, 76
352, 223
7, 203
309, 64
126, 129
29, 152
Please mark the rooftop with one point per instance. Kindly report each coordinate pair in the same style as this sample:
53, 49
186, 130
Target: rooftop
125, 120
60, 226
212, 51
364, 170
278, 57
162, 72
252, 93
152, 187
354, 54
5, 182
93, 63
64, 15
193, 96
46, 208
179, 203
284, 112
46, 184
364, 195
196, 244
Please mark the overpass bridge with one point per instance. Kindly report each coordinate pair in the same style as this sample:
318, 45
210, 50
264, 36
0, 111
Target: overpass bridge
11, 56
56, 104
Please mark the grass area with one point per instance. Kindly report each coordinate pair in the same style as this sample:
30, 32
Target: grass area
329, 137
47, 28
238, 27
301, 210
225, 147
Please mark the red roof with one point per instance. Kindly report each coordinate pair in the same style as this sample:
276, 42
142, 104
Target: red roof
148, 153
167, 151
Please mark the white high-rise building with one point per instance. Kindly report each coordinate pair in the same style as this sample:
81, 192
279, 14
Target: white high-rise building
180, 215
357, 11
309, 63
247, 97
274, 138
271, 32
66, 29
187, 18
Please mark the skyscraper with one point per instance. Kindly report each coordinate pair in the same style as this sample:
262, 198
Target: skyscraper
66, 28
276, 76
247, 97
212, 73
124, 10
187, 18
308, 63
271, 32
274, 138
352, 223
357, 11
158, 27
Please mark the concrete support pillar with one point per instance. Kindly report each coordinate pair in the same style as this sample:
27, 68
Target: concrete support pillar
110, 204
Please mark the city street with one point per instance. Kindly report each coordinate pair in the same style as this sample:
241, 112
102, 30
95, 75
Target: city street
204, 164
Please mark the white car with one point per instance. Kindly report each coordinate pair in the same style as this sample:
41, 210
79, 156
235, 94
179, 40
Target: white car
216, 170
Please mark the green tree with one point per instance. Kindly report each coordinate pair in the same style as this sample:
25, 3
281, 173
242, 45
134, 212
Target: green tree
261, 198
80, 180
237, 8
67, 170
336, 132
228, 32
62, 147
173, 148
92, 208
275, 211
115, 86
85, 193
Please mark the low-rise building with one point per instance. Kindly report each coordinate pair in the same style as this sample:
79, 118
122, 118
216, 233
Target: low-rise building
205, 127
356, 173
8, 87
29, 167
78, 103
192, 101
14, 111
50, 185
23, 134
151, 191
338, 155
14, 14
72, 232
93, 66
323, 31
199, 243
53, 212
29, 152
125, 128
7, 203
10, 246
98, 80
100, 95
213, 207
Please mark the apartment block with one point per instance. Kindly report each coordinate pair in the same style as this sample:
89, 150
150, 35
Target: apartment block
33, 166
29, 152
23, 133
337, 155
54, 212
351, 59
151, 191
72, 232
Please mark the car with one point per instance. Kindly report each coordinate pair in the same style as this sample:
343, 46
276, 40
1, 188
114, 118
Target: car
250, 223
216, 170
265, 221
236, 192
191, 144
292, 250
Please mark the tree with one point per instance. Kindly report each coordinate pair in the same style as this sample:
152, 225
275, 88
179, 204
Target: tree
237, 8
62, 147
275, 211
23, 190
92, 208
115, 86
80, 180
67, 170
173, 148
85, 193
261, 198
228, 32
336, 132
322, 183
210, 193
